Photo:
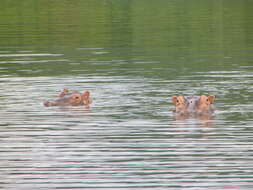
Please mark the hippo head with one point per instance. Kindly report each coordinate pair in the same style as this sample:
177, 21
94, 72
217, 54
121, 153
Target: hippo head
70, 99
193, 105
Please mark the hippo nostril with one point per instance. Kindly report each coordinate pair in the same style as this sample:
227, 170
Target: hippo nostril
46, 103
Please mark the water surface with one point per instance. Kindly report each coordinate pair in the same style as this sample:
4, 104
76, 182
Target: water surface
133, 56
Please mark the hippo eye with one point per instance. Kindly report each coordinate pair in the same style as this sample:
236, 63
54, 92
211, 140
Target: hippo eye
177, 101
207, 100
76, 97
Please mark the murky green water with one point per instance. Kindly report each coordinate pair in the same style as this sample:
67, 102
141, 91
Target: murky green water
133, 56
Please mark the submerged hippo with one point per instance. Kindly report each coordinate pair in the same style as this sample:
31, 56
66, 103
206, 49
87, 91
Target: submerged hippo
67, 98
193, 105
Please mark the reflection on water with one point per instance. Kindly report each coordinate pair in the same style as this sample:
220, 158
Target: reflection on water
202, 120
133, 56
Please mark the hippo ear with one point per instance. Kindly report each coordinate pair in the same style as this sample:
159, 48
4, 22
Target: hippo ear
64, 92
174, 100
86, 98
211, 98
86, 95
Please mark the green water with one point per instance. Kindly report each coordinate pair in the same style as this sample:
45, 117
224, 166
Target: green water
133, 56
200, 35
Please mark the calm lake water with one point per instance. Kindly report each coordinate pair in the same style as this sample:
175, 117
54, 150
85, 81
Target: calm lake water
133, 56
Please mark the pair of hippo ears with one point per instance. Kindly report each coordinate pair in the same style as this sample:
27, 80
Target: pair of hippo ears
66, 91
181, 100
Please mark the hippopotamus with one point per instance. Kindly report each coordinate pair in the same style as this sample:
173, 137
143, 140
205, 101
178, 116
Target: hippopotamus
67, 98
193, 105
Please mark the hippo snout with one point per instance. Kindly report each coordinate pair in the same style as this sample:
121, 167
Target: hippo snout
47, 103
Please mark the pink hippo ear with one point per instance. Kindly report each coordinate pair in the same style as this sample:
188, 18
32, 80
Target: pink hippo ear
86, 95
211, 98
86, 98
174, 100
178, 100
64, 92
